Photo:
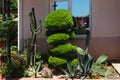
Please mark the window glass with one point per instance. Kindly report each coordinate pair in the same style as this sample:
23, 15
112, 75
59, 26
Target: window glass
80, 12
62, 5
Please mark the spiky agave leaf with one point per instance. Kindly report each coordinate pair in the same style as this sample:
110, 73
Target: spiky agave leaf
80, 51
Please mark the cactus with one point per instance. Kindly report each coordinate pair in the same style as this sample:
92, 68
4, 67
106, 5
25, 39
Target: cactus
35, 29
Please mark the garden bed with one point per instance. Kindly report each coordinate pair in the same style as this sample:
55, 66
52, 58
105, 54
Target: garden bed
110, 72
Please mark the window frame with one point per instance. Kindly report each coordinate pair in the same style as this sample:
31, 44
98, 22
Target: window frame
83, 36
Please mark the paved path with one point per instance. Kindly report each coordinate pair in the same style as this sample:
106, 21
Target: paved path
116, 66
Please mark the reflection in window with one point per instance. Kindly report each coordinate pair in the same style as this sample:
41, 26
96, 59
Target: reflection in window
80, 12
81, 23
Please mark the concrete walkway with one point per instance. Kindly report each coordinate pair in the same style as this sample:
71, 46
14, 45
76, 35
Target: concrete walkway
117, 67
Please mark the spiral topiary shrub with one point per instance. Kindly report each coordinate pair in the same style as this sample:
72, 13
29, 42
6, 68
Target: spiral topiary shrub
59, 19
58, 38
56, 62
59, 25
63, 49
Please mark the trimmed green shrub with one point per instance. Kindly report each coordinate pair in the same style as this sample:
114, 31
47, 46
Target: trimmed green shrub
74, 62
70, 33
58, 38
56, 62
12, 70
59, 26
59, 19
63, 49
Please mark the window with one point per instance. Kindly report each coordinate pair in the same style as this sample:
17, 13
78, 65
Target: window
62, 5
79, 10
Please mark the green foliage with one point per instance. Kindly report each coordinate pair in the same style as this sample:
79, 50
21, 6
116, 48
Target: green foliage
85, 65
59, 24
35, 29
59, 19
89, 63
74, 62
70, 33
14, 4
12, 70
56, 62
36, 67
14, 48
71, 70
57, 38
63, 49
8, 30
80, 51
101, 59
38, 55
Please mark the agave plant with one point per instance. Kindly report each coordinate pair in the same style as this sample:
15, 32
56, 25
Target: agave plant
85, 66
71, 73
35, 68
88, 63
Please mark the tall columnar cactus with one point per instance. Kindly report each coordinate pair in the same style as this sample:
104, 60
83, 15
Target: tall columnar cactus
59, 30
35, 29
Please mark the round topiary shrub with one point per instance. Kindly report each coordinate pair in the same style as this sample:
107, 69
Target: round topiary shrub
56, 62
63, 49
59, 19
57, 38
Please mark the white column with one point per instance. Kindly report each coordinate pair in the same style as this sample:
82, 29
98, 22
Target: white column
20, 31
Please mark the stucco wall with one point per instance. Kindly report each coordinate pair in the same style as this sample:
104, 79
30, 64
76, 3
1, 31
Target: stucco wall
105, 18
104, 24
105, 28
41, 10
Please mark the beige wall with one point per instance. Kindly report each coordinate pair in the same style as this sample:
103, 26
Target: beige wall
105, 28
41, 10
106, 18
